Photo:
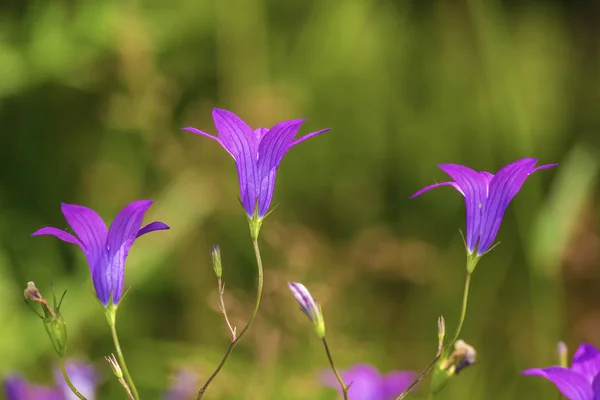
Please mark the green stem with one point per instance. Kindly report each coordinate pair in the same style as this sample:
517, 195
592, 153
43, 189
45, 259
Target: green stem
337, 375
252, 317
463, 312
419, 377
68, 380
111, 322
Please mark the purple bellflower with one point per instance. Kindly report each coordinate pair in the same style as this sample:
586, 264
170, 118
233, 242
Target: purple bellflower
105, 249
257, 154
82, 376
367, 384
183, 386
487, 197
581, 381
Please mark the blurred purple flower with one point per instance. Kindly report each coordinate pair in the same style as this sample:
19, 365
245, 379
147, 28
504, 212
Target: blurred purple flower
581, 381
183, 386
105, 249
257, 154
82, 376
367, 384
486, 197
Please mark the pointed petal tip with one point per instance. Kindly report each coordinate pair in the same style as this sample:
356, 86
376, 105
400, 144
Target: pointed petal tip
221, 112
427, 188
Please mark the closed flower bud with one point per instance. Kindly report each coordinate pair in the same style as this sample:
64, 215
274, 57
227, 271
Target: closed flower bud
309, 306
216, 261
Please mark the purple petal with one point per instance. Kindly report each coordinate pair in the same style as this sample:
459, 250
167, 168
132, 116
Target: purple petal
596, 387
267, 188
308, 136
260, 133
88, 226
83, 377
239, 139
474, 187
426, 188
183, 387
208, 135
395, 383
16, 388
364, 380
306, 301
572, 385
586, 361
92, 233
273, 146
544, 167
59, 233
151, 227
121, 235
503, 188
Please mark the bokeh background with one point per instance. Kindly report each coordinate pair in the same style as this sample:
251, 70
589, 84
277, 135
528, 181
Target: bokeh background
92, 98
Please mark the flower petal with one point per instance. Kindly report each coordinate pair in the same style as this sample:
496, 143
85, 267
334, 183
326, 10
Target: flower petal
596, 387
365, 382
586, 361
273, 146
241, 142
183, 386
83, 377
426, 188
121, 235
474, 187
92, 233
59, 233
208, 135
397, 382
267, 188
306, 301
502, 189
151, 227
88, 226
572, 385
308, 136
16, 388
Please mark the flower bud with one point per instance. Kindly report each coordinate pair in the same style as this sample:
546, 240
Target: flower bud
216, 260
309, 306
563, 353
441, 328
54, 323
448, 366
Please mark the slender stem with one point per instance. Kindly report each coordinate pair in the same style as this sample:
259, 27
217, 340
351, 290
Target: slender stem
111, 322
68, 380
463, 311
420, 377
440, 351
223, 309
126, 387
337, 375
252, 317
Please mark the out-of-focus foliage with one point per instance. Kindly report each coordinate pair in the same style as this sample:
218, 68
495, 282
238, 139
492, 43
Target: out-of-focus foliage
92, 98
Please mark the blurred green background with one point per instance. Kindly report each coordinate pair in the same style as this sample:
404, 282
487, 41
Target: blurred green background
92, 98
